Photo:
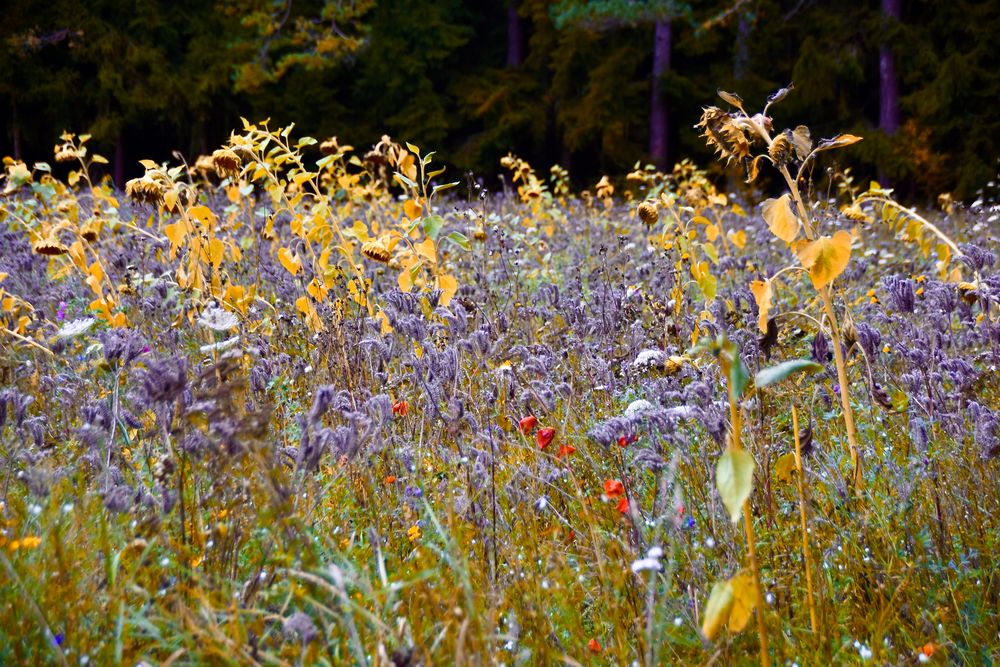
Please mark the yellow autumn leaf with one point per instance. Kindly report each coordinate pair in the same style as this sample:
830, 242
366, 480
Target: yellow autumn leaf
412, 209
780, 218
385, 327
290, 260
448, 286
717, 609
712, 232
202, 214
176, 233
426, 249
216, 251
738, 238
744, 600
826, 257
762, 294
784, 467
317, 290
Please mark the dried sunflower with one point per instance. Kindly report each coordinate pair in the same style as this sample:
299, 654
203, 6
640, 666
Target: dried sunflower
66, 152
724, 134
648, 213
146, 189
781, 150
50, 245
377, 250
227, 163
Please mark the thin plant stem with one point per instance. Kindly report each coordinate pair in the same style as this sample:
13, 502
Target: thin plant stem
806, 555
735, 444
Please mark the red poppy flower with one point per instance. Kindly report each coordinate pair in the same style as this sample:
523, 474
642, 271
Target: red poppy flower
544, 437
927, 649
527, 424
625, 440
400, 407
623, 504
593, 646
613, 488
389, 479
565, 450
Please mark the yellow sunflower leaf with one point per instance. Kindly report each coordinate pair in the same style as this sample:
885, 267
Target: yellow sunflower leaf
780, 218
290, 261
762, 294
448, 286
744, 601
826, 257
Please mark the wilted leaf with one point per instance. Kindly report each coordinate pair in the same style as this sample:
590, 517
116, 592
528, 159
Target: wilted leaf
784, 467
216, 251
717, 609
734, 479
744, 594
780, 94
780, 218
732, 98
802, 141
769, 376
770, 337
762, 294
290, 261
753, 169
448, 286
412, 209
826, 257
838, 141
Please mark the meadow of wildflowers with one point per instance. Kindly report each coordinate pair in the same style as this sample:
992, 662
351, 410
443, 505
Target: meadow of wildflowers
301, 404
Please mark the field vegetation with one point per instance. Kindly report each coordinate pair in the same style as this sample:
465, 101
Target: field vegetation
300, 403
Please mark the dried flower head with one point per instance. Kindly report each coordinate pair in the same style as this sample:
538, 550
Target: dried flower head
332, 147
50, 245
76, 327
149, 189
218, 319
724, 134
781, 150
227, 163
67, 152
377, 250
90, 229
648, 213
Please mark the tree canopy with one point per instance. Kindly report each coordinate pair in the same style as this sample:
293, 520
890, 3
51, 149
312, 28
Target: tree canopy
555, 81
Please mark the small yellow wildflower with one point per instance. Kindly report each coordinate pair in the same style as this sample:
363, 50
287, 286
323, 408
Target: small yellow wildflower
413, 533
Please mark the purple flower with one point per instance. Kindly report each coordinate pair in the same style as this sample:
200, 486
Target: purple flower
61, 313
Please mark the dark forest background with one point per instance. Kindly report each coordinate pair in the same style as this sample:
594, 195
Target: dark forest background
593, 86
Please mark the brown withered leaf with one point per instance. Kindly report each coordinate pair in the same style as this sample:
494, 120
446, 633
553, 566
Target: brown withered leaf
769, 339
732, 98
838, 141
780, 94
806, 439
753, 168
802, 141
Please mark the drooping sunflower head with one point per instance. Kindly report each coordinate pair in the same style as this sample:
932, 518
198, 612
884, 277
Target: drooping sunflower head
648, 213
377, 250
724, 134
227, 163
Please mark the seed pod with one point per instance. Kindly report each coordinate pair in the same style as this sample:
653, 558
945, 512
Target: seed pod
781, 150
648, 213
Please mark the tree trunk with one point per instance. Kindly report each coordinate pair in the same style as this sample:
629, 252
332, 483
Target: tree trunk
658, 125
15, 128
888, 110
741, 57
515, 36
119, 161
